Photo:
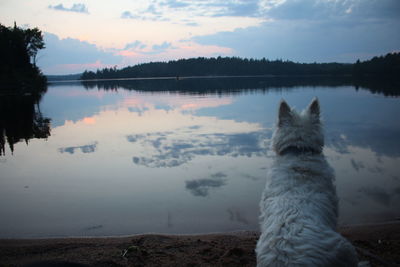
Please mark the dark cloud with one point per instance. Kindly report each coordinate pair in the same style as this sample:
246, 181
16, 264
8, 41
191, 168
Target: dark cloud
328, 10
309, 9
286, 10
208, 8
78, 8
216, 8
84, 149
201, 187
246, 8
320, 31
72, 51
370, 9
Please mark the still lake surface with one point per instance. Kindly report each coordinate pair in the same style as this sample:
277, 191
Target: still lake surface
130, 157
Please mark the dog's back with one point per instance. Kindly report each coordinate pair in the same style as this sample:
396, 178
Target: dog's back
299, 203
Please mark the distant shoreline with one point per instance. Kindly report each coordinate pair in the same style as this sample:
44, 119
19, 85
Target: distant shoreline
200, 77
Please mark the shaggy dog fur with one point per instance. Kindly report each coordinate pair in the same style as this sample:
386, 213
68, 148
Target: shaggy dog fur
299, 206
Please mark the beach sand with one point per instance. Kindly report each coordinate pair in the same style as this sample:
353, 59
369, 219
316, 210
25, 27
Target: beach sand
377, 243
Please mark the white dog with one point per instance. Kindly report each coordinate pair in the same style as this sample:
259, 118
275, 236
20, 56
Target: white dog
299, 206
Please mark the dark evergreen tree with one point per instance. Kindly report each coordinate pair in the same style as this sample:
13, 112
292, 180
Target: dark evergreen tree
18, 47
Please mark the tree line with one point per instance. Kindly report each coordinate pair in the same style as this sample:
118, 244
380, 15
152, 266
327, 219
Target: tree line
220, 66
388, 65
234, 66
18, 51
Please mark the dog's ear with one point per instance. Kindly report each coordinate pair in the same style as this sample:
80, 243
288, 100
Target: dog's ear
313, 109
285, 113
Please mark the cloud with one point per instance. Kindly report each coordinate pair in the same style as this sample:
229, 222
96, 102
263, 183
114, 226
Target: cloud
136, 44
309, 42
151, 13
162, 47
128, 15
78, 8
175, 4
214, 8
339, 9
201, 187
181, 10
312, 30
309, 9
138, 49
65, 56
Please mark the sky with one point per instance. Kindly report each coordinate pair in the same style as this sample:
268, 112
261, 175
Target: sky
90, 34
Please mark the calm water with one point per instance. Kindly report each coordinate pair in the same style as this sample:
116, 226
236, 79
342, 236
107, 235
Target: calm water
121, 162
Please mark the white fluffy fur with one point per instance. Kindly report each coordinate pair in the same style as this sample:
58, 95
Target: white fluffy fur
299, 206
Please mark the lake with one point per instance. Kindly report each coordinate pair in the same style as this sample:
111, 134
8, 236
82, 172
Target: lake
187, 156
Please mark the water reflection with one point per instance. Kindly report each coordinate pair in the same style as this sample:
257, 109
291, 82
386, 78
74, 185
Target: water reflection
236, 215
236, 85
125, 161
90, 148
377, 194
21, 120
171, 152
201, 187
210, 85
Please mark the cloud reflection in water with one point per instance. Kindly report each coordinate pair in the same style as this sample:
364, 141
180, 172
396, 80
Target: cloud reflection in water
90, 148
200, 187
170, 151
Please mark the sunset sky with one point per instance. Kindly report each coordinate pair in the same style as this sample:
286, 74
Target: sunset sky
91, 34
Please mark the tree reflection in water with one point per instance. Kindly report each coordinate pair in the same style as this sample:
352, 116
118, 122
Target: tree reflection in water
21, 119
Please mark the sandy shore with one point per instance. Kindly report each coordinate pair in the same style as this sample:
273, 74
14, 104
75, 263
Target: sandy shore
378, 243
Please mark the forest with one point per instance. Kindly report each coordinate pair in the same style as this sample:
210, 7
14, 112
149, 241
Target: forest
235, 66
22, 85
18, 50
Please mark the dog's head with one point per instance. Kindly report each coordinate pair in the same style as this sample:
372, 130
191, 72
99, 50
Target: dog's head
301, 131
